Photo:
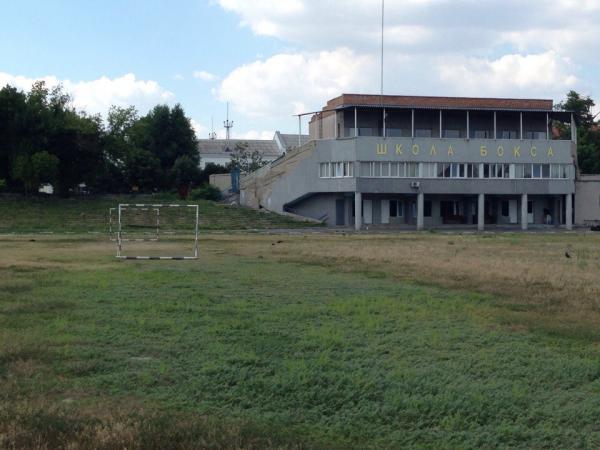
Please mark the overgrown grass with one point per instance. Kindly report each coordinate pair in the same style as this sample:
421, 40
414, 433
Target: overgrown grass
90, 214
247, 348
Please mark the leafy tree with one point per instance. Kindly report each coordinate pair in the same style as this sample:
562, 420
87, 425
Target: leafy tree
166, 133
22, 171
45, 167
581, 106
13, 105
588, 133
142, 170
244, 159
184, 173
41, 167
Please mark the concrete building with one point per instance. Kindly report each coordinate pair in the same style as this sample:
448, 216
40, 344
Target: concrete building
218, 151
422, 162
587, 200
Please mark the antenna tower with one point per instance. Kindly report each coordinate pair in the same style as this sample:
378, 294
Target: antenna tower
228, 124
212, 135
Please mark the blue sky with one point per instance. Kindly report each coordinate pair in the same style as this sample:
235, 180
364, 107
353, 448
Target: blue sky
274, 58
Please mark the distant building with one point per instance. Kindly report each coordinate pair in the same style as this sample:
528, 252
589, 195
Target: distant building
421, 162
218, 151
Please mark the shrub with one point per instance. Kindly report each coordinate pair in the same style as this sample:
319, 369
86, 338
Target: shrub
2, 184
206, 192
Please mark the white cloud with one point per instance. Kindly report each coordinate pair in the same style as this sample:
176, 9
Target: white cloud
201, 130
204, 75
433, 26
287, 84
178, 77
96, 96
253, 134
515, 74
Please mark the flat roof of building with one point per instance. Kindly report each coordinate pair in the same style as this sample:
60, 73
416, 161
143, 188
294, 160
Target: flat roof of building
415, 101
225, 147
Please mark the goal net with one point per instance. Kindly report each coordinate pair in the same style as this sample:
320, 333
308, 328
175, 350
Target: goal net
155, 231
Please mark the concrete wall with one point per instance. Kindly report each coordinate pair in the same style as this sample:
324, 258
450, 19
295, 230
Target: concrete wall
587, 200
222, 181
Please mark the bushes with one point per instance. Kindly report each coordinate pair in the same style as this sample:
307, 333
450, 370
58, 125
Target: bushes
2, 184
206, 192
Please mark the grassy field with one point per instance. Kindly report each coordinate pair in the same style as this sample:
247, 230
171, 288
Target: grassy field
304, 341
90, 214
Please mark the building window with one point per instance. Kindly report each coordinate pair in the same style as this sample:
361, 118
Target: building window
413, 170
385, 169
429, 170
402, 170
545, 170
336, 170
423, 133
427, 208
481, 134
505, 208
509, 134
324, 170
396, 208
451, 134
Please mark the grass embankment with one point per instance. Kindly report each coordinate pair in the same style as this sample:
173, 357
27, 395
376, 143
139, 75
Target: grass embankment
250, 347
91, 214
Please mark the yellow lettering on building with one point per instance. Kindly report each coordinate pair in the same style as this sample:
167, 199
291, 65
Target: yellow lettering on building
382, 149
500, 151
450, 151
433, 150
398, 149
415, 149
533, 151
517, 151
550, 152
483, 150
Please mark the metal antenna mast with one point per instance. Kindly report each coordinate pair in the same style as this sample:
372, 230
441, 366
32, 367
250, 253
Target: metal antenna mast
382, 28
212, 135
228, 124
381, 85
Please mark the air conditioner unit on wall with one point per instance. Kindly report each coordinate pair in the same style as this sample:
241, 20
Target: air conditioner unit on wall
415, 184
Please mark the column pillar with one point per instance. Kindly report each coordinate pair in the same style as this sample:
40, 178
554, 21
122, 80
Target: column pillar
524, 211
357, 211
480, 212
556, 214
355, 122
569, 211
420, 210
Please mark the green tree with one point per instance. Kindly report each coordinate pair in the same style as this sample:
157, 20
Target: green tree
245, 160
41, 167
184, 173
45, 167
588, 133
22, 171
168, 134
142, 170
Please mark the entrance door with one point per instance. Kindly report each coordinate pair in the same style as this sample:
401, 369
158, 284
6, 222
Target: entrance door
512, 211
385, 211
530, 211
368, 211
340, 212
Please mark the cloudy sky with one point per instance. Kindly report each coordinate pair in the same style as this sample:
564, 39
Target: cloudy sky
271, 59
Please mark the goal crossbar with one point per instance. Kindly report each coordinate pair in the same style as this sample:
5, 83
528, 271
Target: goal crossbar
147, 207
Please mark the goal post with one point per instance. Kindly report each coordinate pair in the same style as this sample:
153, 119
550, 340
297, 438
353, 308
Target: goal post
166, 220
111, 222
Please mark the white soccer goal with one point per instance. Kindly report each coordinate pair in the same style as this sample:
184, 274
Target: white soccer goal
154, 227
